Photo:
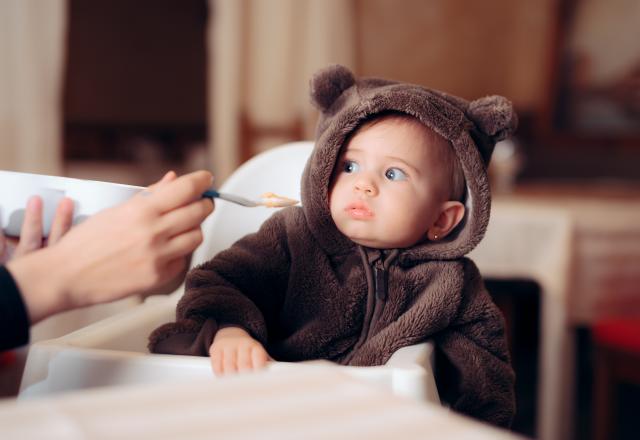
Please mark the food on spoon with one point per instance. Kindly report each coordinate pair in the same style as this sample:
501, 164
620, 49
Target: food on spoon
273, 200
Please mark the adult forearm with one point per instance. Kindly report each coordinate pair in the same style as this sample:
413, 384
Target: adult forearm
43, 283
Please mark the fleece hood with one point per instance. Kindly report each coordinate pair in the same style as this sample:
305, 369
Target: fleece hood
472, 128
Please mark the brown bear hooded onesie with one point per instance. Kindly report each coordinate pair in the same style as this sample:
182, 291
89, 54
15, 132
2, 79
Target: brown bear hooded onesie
305, 291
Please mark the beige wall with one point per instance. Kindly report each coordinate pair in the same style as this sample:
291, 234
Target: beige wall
468, 48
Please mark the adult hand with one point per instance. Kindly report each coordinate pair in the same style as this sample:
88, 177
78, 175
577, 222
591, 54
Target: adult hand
142, 244
31, 230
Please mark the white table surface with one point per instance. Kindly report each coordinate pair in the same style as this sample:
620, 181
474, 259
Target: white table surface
322, 404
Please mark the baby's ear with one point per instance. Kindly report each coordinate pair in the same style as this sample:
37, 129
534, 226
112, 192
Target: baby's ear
329, 83
494, 116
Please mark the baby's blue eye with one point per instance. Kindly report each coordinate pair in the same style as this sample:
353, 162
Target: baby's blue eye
395, 174
350, 166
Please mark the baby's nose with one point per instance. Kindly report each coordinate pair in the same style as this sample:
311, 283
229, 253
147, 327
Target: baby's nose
366, 186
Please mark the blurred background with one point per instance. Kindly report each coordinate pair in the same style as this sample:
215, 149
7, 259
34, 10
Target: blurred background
123, 91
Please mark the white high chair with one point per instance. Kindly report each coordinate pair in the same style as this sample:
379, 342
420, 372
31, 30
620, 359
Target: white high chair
113, 351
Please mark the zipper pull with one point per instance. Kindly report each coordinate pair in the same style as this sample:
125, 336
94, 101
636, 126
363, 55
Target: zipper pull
380, 280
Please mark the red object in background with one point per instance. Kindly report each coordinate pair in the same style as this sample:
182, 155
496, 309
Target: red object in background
622, 334
617, 360
7, 358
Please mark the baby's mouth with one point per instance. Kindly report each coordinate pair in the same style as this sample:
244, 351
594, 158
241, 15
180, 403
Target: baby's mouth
359, 210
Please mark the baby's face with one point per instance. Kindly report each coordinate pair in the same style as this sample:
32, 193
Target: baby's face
387, 188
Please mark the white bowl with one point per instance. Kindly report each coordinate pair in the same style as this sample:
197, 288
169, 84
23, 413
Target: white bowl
89, 197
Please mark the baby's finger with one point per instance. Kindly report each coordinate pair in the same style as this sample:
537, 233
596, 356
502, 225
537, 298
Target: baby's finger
31, 230
216, 361
259, 357
244, 359
62, 220
229, 362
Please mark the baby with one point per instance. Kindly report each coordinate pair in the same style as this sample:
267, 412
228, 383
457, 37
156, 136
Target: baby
394, 195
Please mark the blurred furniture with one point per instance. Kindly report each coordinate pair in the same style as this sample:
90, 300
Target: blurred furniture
581, 243
534, 243
316, 404
9, 375
146, 80
616, 360
605, 252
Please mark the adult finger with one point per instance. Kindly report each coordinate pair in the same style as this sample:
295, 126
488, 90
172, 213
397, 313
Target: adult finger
173, 274
168, 177
62, 220
181, 245
186, 218
181, 191
31, 230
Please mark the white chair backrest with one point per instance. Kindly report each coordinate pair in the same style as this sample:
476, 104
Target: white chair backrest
276, 170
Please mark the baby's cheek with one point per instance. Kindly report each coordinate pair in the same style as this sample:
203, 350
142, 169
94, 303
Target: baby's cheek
334, 202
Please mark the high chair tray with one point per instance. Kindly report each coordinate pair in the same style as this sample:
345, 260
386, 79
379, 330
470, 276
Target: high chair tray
113, 352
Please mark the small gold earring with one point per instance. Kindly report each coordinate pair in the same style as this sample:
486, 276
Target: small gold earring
435, 236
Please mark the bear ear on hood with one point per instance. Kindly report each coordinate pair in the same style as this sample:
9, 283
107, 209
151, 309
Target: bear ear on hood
494, 116
328, 84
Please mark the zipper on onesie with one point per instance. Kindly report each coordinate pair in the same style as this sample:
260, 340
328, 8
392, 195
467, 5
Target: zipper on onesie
377, 283
380, 280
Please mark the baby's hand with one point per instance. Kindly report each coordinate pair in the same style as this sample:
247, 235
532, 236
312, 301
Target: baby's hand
234, 350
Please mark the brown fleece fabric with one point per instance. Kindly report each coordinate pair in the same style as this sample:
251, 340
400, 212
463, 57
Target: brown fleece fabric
305, 291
